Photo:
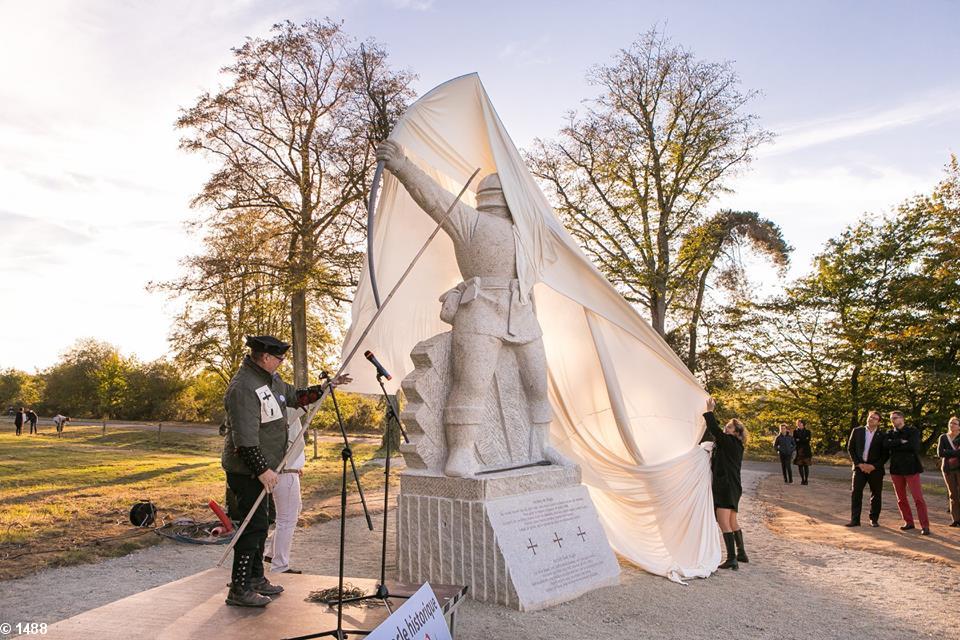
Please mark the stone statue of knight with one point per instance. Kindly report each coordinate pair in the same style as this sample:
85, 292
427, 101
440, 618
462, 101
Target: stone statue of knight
485, 311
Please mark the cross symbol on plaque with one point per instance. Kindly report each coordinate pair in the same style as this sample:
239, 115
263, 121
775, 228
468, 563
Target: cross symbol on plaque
557, 539
582, 534
532, 546
265, 396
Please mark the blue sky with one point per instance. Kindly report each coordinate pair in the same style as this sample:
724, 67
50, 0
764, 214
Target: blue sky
864, 97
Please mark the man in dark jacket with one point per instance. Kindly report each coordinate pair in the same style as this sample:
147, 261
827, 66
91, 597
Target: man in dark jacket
903, 447
32, 419
254, 445
784, 445
866, 451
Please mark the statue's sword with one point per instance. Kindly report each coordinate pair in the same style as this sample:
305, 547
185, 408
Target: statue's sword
316, 405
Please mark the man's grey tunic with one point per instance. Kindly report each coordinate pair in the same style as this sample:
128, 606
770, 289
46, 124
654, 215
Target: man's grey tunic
256, 404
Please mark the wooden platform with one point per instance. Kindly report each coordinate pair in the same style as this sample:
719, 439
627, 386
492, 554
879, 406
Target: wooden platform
193, 607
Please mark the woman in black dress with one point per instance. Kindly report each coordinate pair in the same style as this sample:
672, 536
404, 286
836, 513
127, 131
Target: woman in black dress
801, 435
727, 489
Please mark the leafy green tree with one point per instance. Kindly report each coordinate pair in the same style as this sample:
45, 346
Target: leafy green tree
20, 389
632, 175
717, 244
154, 391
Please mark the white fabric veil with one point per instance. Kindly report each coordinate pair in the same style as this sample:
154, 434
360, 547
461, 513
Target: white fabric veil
626, 409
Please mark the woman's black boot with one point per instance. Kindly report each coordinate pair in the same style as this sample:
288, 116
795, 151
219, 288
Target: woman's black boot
741, 551
731, 561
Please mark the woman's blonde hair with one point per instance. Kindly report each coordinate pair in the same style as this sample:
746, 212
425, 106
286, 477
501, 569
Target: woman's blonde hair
740, 430
952, 420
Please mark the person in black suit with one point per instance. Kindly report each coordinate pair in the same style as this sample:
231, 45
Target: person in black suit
727, 488
866, 451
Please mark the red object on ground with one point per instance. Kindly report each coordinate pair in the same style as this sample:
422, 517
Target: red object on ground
221, 515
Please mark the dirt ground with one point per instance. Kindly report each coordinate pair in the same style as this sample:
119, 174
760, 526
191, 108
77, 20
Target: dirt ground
794, 587
819, 510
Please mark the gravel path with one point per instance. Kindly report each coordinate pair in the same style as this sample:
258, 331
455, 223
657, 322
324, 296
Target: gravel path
789, 590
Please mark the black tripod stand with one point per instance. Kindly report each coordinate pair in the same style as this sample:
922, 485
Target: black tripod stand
346, 454
382, 593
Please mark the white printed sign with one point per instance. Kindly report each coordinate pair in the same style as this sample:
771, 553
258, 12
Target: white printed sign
269, 409
419, 618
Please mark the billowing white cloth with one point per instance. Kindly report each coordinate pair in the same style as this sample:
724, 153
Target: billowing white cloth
625, 407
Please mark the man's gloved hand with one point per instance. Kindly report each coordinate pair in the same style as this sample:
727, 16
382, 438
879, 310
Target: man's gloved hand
309, 395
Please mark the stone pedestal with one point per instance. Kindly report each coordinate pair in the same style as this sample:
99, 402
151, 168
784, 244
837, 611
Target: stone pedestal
526, 539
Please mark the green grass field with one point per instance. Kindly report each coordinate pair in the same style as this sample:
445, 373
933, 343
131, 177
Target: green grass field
59, 496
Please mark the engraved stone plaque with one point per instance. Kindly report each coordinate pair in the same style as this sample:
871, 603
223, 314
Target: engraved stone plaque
553, 544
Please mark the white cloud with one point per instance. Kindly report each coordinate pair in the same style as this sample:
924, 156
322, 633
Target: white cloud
527, 53
413, 5
801, 135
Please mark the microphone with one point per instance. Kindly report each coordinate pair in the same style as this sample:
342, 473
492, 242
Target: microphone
373, 360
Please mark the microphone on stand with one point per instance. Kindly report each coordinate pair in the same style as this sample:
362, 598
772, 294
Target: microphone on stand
381, 371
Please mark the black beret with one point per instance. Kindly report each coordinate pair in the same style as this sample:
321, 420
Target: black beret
268, 344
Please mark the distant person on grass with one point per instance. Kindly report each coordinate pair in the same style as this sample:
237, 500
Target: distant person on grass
801, 435
253, 447
949, 451
866, 451
903, 446
32, 418
727, 488
785, 445
18, 420
58, 421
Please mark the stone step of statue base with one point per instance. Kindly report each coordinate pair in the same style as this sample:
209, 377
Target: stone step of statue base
525, 539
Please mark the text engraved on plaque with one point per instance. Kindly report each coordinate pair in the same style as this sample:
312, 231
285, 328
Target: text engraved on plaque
553, 543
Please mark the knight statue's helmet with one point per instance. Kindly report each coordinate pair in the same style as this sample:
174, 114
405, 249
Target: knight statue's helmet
490, 192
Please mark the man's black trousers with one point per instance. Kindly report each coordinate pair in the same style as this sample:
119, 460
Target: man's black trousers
786, 468
861, 480
246, 489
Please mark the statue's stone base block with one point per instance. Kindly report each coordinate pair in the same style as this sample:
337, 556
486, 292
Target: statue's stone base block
526, 539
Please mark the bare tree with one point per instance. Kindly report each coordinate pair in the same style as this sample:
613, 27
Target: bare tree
293, 137
633, 173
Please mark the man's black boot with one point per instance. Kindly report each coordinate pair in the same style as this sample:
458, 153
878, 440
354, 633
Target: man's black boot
241, 594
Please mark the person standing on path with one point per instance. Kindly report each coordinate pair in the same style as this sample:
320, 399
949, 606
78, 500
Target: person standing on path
286, 497
903, 446
727, 488
254, 444
949, 451
866, 451
785, 445
801, 435
18, 421
32, 418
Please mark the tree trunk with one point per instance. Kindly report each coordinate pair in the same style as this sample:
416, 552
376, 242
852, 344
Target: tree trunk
658, 312
298, 324
854, 397
695, 322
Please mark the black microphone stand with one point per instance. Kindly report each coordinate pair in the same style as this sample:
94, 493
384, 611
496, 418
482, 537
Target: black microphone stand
346, 454
346, 445
382, 593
